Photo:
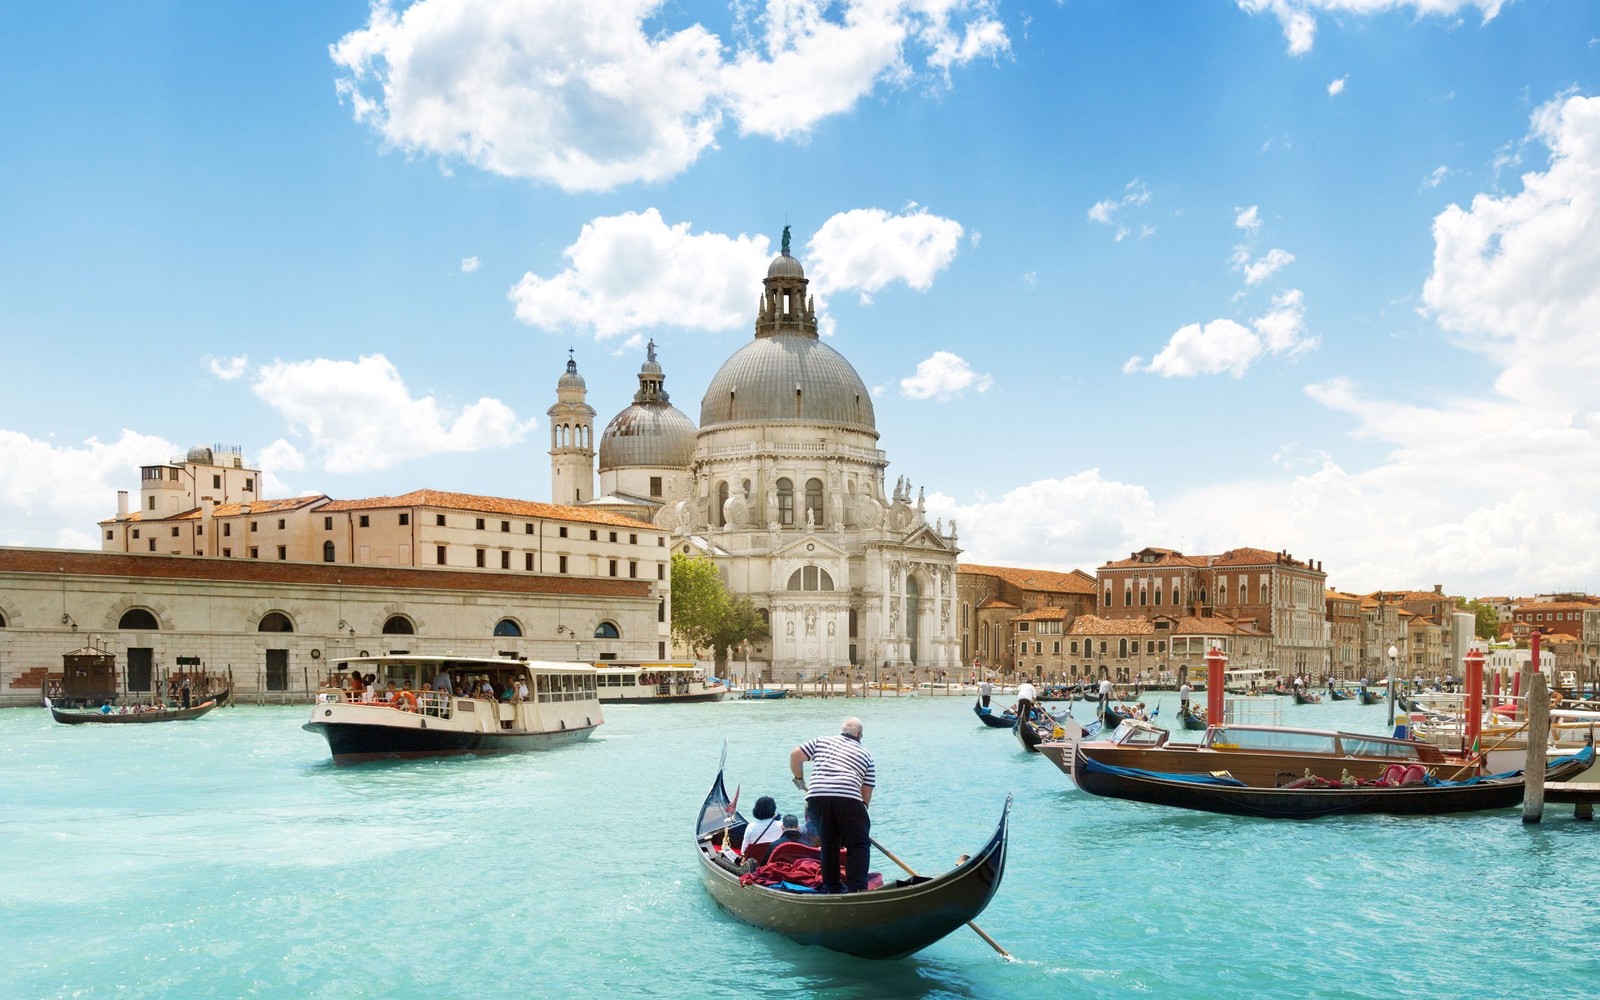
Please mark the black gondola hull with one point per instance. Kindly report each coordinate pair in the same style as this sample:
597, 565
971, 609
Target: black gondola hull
74, 718
1306, 803
897, 920
993, 719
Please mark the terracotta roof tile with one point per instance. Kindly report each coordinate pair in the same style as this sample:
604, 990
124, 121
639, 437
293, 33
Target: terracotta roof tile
994, 602
1095, 625
488, 505
1075, 582
1042, 614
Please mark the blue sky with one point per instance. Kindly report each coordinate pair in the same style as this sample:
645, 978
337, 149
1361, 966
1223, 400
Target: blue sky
1315, 275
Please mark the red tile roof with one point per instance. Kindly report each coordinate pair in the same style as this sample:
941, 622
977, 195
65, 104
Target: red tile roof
488, 505
1075, 582
1042, 614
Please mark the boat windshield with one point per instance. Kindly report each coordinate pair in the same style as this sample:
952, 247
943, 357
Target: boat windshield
1285, 740
1132, 733
1359, 747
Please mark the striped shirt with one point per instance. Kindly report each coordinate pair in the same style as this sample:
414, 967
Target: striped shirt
839, 767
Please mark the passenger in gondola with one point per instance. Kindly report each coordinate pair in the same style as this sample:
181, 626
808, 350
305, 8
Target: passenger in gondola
791, 831
762, 831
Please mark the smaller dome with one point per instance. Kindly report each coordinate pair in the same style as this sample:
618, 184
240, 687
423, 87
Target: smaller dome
200, 453
785, 266
647, 435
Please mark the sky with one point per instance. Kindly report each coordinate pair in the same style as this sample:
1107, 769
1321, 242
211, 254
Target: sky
1320, 276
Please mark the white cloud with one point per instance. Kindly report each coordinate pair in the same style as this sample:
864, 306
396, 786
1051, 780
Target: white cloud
359, 416
54, 497
1299, 23
1073, 522
588, 96
1259, 270
228, 369
469, 264
1210, 349
1248, 219
633, 271
1434, 179
867, 248
943, 376
1283, 328
1337, 86
1109, 211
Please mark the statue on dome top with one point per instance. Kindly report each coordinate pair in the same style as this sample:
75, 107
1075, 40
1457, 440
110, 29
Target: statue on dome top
786, 241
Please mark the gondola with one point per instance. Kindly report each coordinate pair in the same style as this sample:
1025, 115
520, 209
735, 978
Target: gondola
1303, 697
1222, 793
1192, 718
74, 716
1035, 732
1368, 697
1334, 694
1279, 689
993, 719
902, 917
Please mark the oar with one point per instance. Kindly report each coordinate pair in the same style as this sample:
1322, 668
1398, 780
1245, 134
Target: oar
976, 929
1483, 755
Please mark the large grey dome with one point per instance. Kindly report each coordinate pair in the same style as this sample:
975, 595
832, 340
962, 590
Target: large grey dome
789, 378
645, 435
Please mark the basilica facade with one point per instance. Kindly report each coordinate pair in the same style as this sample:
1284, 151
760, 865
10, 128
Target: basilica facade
782, 484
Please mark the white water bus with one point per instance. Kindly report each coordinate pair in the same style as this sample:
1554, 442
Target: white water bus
398, 715
654, 682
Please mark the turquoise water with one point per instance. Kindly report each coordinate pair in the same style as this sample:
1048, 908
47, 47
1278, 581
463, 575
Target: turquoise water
228, 858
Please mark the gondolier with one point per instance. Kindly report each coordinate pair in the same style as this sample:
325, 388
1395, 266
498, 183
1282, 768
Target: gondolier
985, 689
842, 779
1026, 696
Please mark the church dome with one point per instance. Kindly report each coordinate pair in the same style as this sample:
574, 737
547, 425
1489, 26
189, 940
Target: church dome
788, 378
570, 379
200, 454
787, 374
651, 433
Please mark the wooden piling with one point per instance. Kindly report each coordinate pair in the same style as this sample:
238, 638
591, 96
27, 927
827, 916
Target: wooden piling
1538, 706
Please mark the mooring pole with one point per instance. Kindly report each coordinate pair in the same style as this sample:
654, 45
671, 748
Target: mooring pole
1472, 704
1538, 704
1215, 662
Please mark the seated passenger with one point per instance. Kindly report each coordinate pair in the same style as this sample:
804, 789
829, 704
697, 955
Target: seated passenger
761, 832
791, 831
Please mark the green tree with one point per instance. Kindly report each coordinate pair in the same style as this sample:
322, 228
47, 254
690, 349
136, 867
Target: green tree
1487, 625
699, 601
740, 623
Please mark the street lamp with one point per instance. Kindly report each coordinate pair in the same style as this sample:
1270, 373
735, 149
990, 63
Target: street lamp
1393, 653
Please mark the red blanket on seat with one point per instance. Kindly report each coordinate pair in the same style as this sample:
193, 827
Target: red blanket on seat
800, 871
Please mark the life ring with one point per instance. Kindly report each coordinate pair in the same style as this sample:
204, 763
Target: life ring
405, 701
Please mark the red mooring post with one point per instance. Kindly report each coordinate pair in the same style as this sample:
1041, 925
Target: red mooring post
1215, 662
1534, 642
1472, 707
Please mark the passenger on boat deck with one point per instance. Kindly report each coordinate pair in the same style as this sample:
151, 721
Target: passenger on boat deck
762, 830
356, 686
442, 682
486, 690
522, 689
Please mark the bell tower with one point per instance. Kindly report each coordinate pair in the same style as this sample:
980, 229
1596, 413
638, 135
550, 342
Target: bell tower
571, 439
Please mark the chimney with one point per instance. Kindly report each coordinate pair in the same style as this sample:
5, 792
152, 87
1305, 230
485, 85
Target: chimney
208, 527
1438, 588
122, 505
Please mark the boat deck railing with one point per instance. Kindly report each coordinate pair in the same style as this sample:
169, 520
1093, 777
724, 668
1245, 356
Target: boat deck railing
435, 704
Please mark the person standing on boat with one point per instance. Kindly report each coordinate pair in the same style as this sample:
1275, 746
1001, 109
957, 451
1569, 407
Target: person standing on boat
442, 682
1184, 690
985, 689
184, 691
1026, 696
842, 779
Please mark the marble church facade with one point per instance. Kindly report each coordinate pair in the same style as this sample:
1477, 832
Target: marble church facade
783, 485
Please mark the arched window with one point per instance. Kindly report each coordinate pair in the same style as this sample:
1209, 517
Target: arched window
399, 625
810, 578
606, 630
814, 500
1244, 594
766, 617
2, 619
507, 627
1122, 649
852, 623
1157, 601
1144, 595
275, 621
785, 502
138, 618
327, 551
1264, 599
718, 518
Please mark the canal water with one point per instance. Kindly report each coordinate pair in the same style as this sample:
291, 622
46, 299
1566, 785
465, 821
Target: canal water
227, 857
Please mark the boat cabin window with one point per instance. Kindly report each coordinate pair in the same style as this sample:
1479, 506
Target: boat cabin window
1134, 736
1356, 746
1270, 739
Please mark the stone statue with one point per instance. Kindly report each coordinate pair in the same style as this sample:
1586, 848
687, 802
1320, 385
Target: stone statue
811, 520
785, 243
650, 350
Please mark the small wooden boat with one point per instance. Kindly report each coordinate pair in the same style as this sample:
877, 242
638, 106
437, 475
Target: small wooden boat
1306, 798
992, 719
1334, 694
1035, 731
1192, 718
1304, 697
764, 694
1279, 689
894, 921
1367, 697
129, 714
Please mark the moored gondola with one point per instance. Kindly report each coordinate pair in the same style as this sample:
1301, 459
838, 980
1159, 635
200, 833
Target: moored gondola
894, 921
1309, 798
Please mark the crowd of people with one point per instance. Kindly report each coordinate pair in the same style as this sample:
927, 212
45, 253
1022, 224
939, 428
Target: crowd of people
368, 690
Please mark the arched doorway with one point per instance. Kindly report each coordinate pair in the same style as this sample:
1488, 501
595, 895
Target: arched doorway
913, 618
141, 659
